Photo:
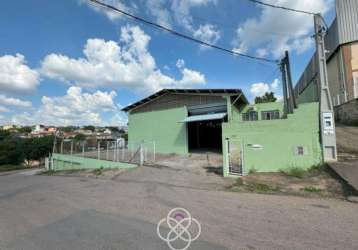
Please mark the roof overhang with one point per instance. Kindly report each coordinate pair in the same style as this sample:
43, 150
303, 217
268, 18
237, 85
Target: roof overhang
187, 91
208, 117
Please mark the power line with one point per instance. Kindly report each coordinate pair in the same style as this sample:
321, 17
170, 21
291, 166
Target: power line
290, 9
176, 33
281, 7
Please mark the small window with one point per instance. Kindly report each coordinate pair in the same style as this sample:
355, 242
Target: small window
300, 151
270, 115
250, 116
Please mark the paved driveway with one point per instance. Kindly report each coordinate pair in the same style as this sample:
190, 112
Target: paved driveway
52, 212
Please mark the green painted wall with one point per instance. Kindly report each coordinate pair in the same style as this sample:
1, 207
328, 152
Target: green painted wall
309, 94
68, 162
236, 113
163, 127
279, 139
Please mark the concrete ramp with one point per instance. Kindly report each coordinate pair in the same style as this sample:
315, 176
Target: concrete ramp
348, 170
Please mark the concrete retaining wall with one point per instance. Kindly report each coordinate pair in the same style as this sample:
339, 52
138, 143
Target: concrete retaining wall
68, 162
347, 113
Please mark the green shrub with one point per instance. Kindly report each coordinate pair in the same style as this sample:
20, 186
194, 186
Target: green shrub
252, 171
318, 167
9, 167
295, 172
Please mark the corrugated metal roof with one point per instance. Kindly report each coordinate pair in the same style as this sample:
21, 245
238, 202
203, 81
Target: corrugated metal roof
187, 91
208, 117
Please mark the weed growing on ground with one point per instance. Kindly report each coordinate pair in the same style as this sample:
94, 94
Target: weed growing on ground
252, 171
318, 167
312, 189
98, 171
262, 188
294, 172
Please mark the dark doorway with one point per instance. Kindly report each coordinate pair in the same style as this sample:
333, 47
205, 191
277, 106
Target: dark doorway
205, 136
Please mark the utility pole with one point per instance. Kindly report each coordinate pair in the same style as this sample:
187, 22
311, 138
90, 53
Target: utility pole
288, 95
327, 124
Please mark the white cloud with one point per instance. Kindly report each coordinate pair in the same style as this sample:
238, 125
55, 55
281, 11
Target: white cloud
157, 9
180, 63
107, 63
277, 30
275, 84
10, 101
4, 109
181, 10
260, 88
207, 33
16, 76
74, 108
111, 15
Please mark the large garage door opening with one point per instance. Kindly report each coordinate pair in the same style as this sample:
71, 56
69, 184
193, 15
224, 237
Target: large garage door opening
204, 129
205, 136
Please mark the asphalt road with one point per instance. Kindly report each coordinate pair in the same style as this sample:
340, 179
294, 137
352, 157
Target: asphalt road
52, 212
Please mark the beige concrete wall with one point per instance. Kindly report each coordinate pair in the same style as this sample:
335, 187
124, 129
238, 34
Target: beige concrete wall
347, 113
354, 62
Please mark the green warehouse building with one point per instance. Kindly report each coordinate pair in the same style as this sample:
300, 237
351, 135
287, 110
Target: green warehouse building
260, 136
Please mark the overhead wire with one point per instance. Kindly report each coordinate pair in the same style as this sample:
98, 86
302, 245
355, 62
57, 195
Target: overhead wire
289, 9
176, 33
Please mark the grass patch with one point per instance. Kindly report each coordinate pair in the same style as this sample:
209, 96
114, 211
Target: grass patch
312, 189
98, 171
9, 167
319, 167
261, 188
294, 172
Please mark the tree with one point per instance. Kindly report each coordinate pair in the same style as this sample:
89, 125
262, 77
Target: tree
26, 129
36, 149
89, 127
11, 151
79, 137
68, 129
267, 97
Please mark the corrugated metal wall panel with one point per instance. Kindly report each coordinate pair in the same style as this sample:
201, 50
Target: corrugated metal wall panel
332, 38
343, 30
347, 19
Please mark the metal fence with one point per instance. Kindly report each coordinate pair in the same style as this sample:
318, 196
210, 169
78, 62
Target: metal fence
109, 150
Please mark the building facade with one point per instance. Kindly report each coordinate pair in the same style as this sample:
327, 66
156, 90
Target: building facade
250, 137
342, 59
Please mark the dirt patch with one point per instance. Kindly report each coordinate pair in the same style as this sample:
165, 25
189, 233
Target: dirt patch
312, 183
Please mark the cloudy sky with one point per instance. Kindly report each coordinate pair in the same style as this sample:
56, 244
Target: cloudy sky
71, 63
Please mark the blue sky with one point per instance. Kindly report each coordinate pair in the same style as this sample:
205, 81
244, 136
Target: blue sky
70, 63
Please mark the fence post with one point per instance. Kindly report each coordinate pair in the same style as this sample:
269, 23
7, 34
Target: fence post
123, 152
141, 154
83, 148
47, 163
114, 151
98, 150
62, 146
107, 151
71, 148
154, 151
